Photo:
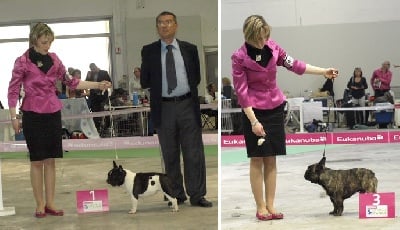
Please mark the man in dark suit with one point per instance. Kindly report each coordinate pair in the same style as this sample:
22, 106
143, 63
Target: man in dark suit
97, 97
175, 108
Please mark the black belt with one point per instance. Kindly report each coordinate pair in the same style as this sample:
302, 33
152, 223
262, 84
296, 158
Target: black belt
178, 98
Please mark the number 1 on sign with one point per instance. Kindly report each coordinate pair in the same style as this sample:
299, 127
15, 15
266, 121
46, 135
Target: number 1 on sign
91, 192
92, 201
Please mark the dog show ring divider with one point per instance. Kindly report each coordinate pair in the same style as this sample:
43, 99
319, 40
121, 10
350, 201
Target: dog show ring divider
377, 205
4, 211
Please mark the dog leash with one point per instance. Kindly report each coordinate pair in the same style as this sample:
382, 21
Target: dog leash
112, 134
327, 126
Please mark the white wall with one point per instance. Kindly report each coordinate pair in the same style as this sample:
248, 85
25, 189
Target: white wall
308, 12
123, 13
324, 33
197, 24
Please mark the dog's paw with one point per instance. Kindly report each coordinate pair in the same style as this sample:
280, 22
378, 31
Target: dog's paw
175, 209
333, 213
132, 211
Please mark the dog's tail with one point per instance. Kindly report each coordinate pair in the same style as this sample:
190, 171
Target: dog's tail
371, 184
374, 185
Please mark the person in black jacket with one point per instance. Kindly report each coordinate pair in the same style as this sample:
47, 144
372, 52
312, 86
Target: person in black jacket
328, 86
357, 85
97, 97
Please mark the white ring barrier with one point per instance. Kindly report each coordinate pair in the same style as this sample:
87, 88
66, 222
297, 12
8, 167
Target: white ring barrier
4, 211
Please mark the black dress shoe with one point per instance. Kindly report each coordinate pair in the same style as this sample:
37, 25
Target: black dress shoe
202, 203
180, 201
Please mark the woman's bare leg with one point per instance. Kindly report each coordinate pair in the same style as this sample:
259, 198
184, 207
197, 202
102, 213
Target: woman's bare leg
270, 182
256, 181
50, 181
37, 184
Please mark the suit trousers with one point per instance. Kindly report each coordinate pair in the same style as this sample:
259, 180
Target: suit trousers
178, 132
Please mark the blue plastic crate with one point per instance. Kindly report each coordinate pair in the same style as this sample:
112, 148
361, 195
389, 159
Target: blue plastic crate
383, 117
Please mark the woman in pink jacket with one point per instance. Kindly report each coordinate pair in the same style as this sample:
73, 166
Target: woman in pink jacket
37, 71
254, 68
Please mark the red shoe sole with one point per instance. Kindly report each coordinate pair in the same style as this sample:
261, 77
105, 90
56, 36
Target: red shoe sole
264, 217
54, 212
277, 216
40, 214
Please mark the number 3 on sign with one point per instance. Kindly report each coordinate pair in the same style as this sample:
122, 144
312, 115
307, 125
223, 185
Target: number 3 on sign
377, 205
92, 201
377, 199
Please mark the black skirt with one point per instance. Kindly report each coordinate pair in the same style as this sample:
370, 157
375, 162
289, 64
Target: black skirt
43, 135
275, 140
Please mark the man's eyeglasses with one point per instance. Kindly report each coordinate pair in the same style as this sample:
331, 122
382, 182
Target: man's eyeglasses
166, 23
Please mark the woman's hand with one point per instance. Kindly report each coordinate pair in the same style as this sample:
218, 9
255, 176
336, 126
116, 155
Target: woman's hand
15, 125
258, 129
104, 85
331, 73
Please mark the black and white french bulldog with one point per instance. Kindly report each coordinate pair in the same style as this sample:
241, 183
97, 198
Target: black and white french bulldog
142, 184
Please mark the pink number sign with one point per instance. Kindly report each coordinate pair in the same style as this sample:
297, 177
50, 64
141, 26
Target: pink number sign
377, 205
92, 201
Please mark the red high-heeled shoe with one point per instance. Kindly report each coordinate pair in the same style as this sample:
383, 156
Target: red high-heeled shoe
39, 214
264, 216
53, 212
277, 216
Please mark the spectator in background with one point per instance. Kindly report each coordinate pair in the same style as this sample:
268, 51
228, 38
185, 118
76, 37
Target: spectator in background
357, 86
211, 93
134, 83
76, 93
381, 79
37, 70
328, 87
97, 98
227, 89
62, 89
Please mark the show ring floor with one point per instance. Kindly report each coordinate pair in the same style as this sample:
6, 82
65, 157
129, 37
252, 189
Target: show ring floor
90, 172
305, 205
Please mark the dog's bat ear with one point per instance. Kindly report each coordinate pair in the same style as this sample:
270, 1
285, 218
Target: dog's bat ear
115, 164
120, 167
322, 161
321, 165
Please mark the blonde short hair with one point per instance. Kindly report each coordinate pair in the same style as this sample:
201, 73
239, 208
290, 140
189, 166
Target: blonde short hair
253, 28
226, 81
39, 30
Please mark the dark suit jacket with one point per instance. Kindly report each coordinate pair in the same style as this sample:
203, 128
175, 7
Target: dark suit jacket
95, 97
151, 76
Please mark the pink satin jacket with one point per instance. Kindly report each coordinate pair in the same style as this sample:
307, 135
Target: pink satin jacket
255, 85
384, 78
40, 88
